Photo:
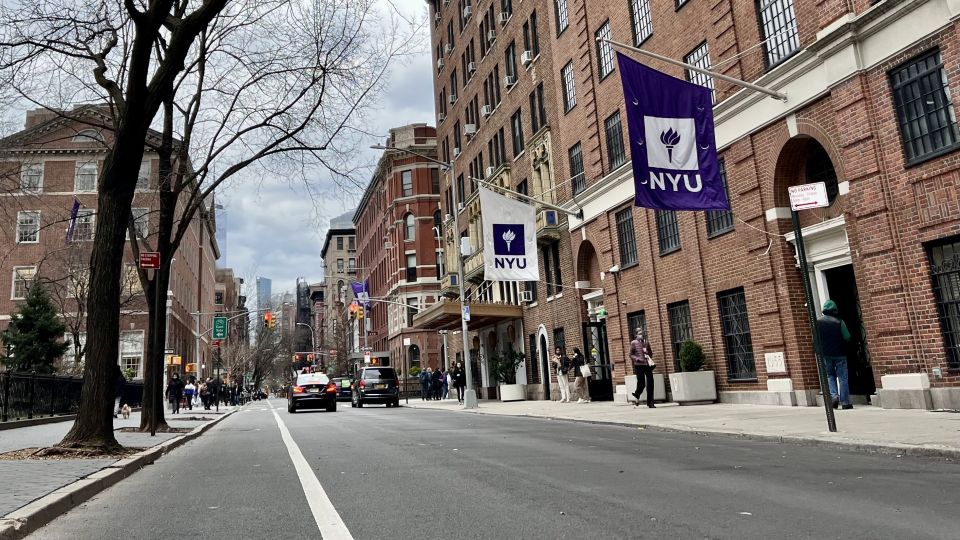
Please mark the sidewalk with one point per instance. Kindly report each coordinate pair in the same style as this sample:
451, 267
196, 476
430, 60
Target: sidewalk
33, 480
869, 429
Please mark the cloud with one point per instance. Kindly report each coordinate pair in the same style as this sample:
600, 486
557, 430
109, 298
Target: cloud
274, 228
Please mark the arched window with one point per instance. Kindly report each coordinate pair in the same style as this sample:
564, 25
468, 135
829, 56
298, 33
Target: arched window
88, 135
438, 223
410, 230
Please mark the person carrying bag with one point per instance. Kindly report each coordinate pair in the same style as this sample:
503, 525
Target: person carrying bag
583, 372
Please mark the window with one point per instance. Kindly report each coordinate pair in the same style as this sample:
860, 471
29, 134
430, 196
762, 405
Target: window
720, 221
516, 130
413, 306
409, 227
533, 363
143, 177
435, 181
531, 40
569, 87
438, 223
506, 6
31, 177
616, 155
641, 20
737, 343
778, 24
351, 243
86, 177
70, 356
531, 287
945, 275
352, 264
668, 231
635, 320
83, 230
218, 298
604, 50
439, 264
411, 267
141, 224
559, 340
406, 178
626, 239
578, 180
700, 57
339, 243
28, 227
340, 266
538, 110
88, 135
131, 280
681, 329
928, 124
23, 277
563, 18
510, 60
551, 268
131, 351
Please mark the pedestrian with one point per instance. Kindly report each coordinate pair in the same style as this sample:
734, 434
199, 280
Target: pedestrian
446, 384
834, 338
459, 381
189, 390
561, 364
205, 393
582, 373
437, 384
174, 393
641, 356
425, 380
121, 383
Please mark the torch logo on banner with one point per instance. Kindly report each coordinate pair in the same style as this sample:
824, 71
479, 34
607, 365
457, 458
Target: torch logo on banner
508, 253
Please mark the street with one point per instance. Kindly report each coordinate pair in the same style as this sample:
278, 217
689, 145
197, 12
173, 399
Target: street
406, 473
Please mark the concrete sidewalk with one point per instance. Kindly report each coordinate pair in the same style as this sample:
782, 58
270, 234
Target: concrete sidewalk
34, 481
896, 431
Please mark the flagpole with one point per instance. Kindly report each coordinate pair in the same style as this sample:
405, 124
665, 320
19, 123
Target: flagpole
732, 80
578, 214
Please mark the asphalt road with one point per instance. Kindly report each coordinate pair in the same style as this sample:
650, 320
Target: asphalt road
422, 474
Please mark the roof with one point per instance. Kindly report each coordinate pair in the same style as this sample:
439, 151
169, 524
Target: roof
342, 224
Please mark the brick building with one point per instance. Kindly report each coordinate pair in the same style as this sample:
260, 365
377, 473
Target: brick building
43, 170
399, 249
869, 111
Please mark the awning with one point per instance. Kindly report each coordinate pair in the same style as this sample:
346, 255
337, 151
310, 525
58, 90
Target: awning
446, 315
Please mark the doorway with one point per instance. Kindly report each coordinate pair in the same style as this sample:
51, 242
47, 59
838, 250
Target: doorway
545, 366
842, 289
596, 354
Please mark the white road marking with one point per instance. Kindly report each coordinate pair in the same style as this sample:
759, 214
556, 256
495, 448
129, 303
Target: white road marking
329, 522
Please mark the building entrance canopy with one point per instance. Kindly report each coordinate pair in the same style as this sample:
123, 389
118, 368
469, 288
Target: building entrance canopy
446, 315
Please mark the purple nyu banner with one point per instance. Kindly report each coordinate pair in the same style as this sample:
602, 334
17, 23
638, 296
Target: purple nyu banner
361, 292
670, 124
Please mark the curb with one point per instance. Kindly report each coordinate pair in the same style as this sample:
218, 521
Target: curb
894, 449
14, 424
27, 519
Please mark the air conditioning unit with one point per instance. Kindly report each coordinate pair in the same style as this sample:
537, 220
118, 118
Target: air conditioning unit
441, 117
491, 35
470, 130
490, 171
439, 63
456, 151
467, 12
509, 81
550, 218
436, 18
504, 17
486, 111
471, 67
453, 99
448, 48
526, 296
526, 57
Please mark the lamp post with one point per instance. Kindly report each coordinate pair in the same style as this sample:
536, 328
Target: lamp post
470, 398
313, 337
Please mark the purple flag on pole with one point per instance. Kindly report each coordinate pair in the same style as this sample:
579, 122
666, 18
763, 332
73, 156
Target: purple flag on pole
670, 124
361, 292
73, 219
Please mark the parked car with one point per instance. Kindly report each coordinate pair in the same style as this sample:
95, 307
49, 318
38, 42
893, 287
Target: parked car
344, 390
312, 391
376, 385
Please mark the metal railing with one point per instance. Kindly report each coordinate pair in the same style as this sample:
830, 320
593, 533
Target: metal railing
29, 395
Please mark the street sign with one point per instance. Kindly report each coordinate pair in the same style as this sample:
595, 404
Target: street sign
466, 313
806, 196
150, 260
216, 343
366, 357
219, 328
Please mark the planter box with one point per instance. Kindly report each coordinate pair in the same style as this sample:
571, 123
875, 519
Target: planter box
513, 392
693, 386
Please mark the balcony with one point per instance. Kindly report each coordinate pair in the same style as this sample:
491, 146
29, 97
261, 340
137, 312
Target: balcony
473, 266
548, 225
449, 286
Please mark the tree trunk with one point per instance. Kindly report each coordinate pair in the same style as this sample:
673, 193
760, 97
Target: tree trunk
152, 415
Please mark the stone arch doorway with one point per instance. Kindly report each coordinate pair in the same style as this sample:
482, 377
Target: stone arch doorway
805, 159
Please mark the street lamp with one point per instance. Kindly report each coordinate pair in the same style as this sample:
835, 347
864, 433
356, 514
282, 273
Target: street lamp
313, 336
470, 399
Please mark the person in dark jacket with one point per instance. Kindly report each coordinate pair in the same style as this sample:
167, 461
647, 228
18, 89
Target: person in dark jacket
174, 392
579, 381
459, 380
641, 356
438, 377
425, 379
834, 338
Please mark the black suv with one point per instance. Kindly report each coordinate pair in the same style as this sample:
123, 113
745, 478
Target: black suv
376, 385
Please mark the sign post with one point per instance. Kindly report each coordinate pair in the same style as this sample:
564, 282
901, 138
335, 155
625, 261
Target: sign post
150, 260
219, 328
804, 197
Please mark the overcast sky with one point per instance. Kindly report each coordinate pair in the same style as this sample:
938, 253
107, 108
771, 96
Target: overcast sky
274, 229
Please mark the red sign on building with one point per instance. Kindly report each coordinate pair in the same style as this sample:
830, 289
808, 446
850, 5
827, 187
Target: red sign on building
150, 260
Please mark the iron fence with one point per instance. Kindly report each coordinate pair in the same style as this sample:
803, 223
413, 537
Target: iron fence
29, 395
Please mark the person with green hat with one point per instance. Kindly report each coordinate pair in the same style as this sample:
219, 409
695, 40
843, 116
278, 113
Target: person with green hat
834, 337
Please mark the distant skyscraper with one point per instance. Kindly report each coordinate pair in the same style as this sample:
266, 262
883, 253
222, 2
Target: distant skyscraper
263, 295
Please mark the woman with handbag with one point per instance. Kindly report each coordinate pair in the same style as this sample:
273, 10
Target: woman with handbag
641, 356
562, 364
582, 371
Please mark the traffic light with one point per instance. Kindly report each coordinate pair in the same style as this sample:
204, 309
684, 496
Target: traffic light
268, 320
360, 311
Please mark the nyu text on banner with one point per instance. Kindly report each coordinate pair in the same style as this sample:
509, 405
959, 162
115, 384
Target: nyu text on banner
509, 238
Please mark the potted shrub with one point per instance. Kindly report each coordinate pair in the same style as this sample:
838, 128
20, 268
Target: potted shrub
693, 384
414, 371
504, 367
